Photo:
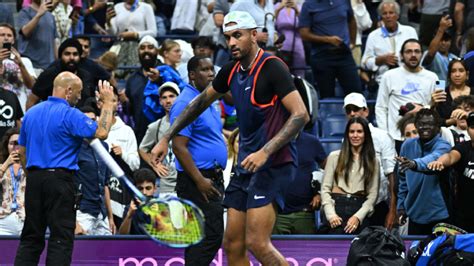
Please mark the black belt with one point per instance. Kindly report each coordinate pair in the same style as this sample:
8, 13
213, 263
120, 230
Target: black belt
57, 170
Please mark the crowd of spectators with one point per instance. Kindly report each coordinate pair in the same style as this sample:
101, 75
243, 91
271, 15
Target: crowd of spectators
417, 69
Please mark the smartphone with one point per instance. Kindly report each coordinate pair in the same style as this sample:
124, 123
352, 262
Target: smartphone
110, 4
7, 45
441, 85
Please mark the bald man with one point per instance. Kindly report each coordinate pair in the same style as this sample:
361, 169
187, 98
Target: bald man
51, 136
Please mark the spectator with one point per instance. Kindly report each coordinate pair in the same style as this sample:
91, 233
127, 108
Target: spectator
350, 182
94, 216
187, 16
123, 147
13, 183
171, 53
437, 57
166, 169
17, 74
303, 195
286, 14
147, 52
69, 54
94, 12
362, 18
37, 34
108, 61
409, 83
431, 13
6, 14
145, 180
443, 99
202, 46
221, 8
131, 20
407, 128
384, 43
263, 13
463, 19
469, 56
11, 111
461, 161
201, 156
62, 16
458, 133
419, 192
331, 29
385, 209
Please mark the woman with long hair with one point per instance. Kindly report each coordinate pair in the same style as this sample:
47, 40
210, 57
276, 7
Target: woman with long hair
171, 53
457, 86
13, 181
350, 182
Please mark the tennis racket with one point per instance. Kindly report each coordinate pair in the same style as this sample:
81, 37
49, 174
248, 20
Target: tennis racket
170, 221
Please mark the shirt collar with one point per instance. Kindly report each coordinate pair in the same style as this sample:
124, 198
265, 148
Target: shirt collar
58, 100
385, 33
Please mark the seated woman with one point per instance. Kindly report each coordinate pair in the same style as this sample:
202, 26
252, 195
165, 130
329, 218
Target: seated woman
13, 182
350, 182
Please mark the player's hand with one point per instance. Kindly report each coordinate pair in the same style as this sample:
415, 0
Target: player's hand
352, 225
436, 166
161, 169
335, 221
334, 40
106, 93
255, 160
390, 219
160, 150
316, 202
402, 217
79, 230
112, 226
438, 96
116, 149
207, 189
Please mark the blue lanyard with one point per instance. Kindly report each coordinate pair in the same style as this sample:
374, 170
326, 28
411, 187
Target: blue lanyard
16, 185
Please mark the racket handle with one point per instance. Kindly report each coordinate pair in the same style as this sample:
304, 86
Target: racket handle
109, 161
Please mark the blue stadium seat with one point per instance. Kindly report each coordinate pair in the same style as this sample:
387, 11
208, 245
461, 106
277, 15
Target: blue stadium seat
330, 107
333, 127
331, 145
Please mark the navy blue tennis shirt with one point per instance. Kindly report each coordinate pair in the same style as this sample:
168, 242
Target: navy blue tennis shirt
206, 143
52, 133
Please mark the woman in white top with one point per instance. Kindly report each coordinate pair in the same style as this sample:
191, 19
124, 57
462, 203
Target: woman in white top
350, 182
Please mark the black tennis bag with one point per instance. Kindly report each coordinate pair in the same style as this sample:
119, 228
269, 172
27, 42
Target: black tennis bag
375, 245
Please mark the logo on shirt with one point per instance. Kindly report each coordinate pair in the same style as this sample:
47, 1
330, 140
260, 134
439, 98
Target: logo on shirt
410, 88
258, 197
6, 110
248, 88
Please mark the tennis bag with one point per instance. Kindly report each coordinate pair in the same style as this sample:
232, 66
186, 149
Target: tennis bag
375, 245
447, 250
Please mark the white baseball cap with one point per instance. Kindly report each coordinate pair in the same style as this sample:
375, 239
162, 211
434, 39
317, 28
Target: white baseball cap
242, 20
169, 84
149, 39
356, 99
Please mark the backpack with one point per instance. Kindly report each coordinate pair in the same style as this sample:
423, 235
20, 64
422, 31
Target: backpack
375, 245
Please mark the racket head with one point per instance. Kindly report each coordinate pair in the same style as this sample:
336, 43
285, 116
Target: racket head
172, 221
444, 228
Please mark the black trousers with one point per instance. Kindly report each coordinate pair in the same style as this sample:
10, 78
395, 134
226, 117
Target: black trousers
49, 202
204, 252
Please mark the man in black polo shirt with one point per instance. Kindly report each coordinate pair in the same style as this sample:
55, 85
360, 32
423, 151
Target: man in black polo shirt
69, 54
50, 138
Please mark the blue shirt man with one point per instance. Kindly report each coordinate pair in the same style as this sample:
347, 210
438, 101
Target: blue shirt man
52, 134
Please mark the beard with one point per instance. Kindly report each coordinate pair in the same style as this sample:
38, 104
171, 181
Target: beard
69, 66
149, 62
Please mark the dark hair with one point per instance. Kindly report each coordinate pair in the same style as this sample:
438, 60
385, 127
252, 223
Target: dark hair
428, 112
464, 100
193, 63
4, 144
6, 25
367, 159
87, 109
405, 121
450, 68
203, 41
83, 37
470, 40
144, 175
409, 41
70, 43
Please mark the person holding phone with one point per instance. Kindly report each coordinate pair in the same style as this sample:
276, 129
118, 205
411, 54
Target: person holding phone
13, 183
443, 98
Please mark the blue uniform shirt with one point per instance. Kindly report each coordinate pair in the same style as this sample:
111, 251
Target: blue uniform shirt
206, 143
52, 133
326, 18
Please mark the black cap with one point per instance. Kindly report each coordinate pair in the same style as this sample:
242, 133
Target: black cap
470, 119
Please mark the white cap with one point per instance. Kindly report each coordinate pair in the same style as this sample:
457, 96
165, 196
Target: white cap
149, 39
169, 84
242, 20
356, 99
